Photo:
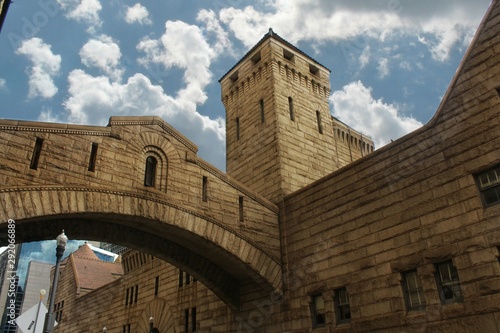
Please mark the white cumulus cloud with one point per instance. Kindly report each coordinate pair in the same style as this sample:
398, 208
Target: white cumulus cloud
85, 11
45, 65
355, 106
445, 23
137, 14
103, 53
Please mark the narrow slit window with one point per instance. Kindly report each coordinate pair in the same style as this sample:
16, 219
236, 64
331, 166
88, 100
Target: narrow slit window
188, 279
37, 150
262, 115
150, 174
204, 190
157, 285
290, 108
240, 204
237, 128
186, 320
193, 320
136, 293
320, 126
126, 296
181, 277
93, 156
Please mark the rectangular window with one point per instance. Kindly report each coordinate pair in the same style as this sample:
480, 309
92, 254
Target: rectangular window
136, 293
181, 277
188, 279
241, 213
35, 157
262, 115
204, 190
448, 283
93, 156
489, 186
288, 55
318, 311
186, 320
343, 308
237, 128
126, 297
157, 285
193, 320
320, 126
290, 108
412, 289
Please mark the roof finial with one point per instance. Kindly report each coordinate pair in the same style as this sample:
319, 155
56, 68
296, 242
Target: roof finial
270, 31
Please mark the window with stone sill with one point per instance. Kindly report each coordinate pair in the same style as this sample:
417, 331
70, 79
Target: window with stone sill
342, 305
488, 183
448, 283
318, 311
412, 289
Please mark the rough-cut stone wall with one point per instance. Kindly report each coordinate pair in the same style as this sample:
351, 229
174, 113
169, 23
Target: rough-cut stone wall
106, 306
287, 150
410, 205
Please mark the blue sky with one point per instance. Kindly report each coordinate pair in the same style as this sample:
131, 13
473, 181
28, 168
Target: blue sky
82, 61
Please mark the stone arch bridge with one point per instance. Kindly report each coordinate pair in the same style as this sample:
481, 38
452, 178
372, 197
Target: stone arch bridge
138, 182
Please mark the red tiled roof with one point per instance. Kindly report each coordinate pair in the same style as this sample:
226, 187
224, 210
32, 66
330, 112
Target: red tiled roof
91, 272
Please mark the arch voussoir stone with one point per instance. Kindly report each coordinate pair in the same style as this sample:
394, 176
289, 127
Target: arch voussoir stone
217, 255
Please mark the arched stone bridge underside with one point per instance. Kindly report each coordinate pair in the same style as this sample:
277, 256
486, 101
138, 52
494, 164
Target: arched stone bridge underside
217, 256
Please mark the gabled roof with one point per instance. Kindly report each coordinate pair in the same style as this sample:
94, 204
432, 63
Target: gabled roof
91, 272
272, 34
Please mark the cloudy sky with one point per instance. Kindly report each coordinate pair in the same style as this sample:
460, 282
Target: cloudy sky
82, 61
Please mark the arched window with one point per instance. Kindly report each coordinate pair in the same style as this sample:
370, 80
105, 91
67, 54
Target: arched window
150, 173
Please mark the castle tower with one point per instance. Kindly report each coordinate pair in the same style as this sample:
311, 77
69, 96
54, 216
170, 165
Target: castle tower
280, 135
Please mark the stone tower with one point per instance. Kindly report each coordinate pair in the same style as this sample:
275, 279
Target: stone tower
280, 135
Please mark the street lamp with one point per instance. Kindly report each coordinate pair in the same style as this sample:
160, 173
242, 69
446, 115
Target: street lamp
48, 325
104, 329
151, 325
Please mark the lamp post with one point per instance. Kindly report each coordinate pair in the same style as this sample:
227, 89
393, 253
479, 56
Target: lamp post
48, 325
151, 325
104, 329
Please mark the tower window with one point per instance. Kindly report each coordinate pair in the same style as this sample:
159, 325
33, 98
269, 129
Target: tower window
262, 115
150, 173
35, 157
256, 58
237, 128
93, 157
288, 55
290, 108
488, 183
204, 190
313, 69
234, 77
320, 126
